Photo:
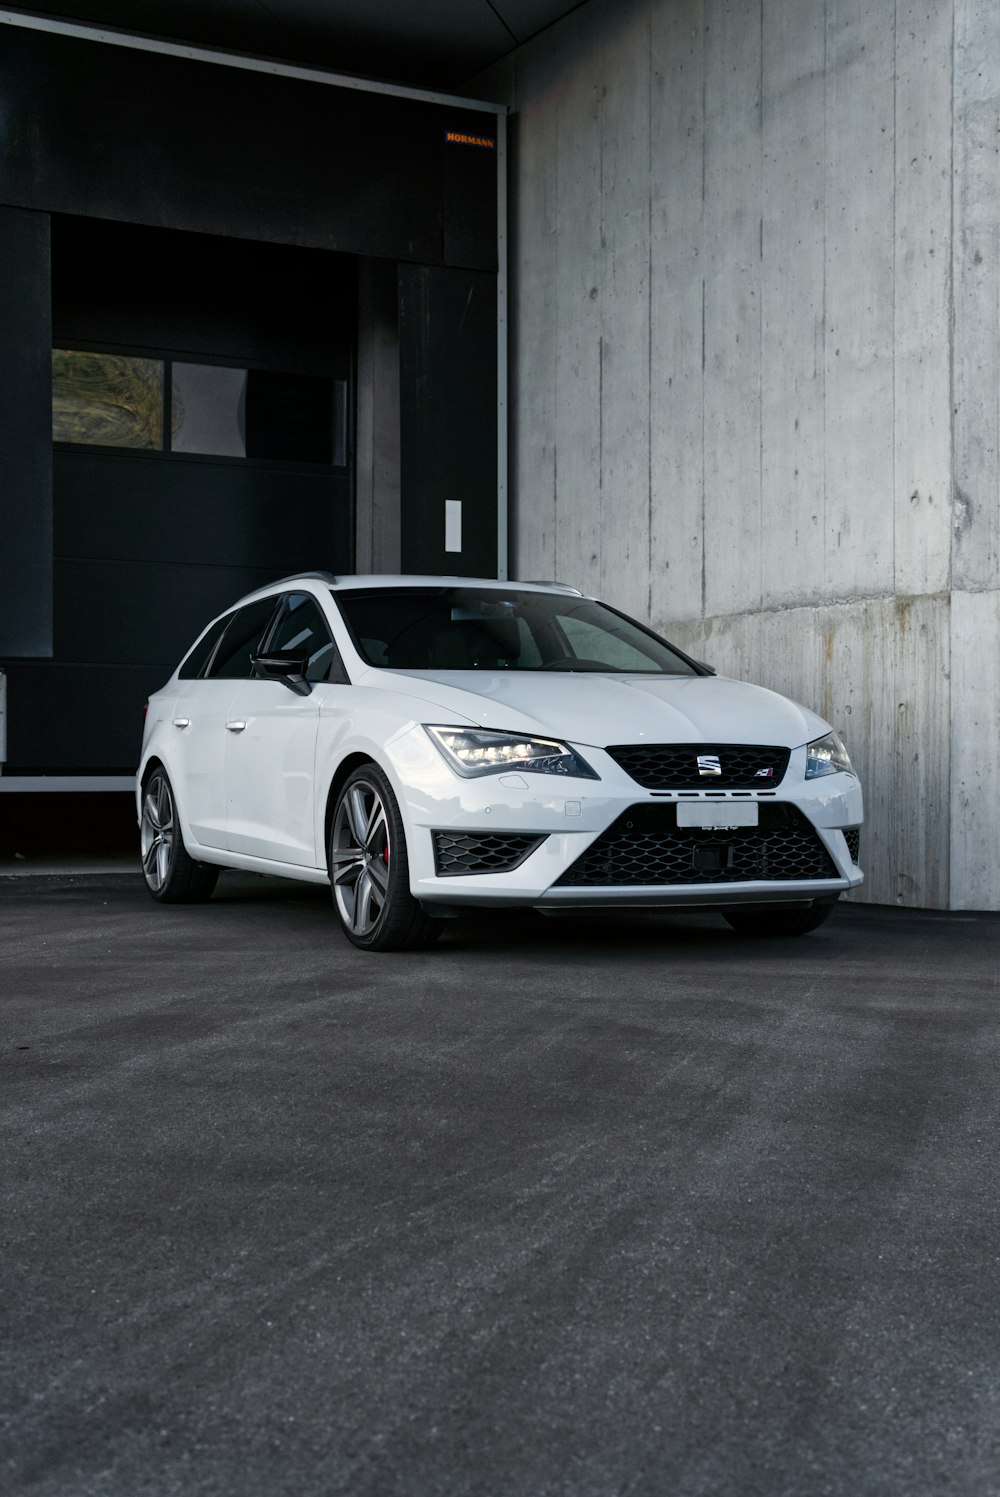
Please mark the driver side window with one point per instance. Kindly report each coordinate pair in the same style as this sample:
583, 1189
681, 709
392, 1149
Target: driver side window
302, 628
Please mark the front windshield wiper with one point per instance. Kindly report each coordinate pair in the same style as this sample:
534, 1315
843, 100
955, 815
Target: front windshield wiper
571, 665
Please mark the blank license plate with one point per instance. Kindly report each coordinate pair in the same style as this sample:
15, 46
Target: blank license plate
717, 814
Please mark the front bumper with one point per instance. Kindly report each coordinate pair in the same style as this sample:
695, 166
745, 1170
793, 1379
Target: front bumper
571, 814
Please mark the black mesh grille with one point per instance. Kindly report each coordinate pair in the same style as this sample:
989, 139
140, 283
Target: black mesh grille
481, 852
645, 846
674, 766
853, 838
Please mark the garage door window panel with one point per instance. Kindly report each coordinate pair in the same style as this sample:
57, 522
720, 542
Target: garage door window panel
186, 408
107, 400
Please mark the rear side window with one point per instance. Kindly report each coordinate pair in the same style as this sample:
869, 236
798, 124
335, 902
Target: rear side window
302, 628
241, 641
195, 661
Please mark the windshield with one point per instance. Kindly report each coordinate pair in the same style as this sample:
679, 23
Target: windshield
468, 629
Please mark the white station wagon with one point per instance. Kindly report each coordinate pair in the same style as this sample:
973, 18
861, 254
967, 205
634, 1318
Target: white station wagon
430, 745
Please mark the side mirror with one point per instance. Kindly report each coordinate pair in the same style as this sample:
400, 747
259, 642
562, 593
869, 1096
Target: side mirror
288, 668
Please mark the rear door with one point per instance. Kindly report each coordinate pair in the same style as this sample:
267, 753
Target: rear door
202, 723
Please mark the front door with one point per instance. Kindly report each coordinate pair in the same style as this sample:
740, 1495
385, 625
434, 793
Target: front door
270, 758
271, 746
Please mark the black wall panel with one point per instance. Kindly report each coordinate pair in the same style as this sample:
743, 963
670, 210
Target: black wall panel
194, 211
269, 305
148, 547
157, 610
147, 551
122, 507
77, 719
448, 417
25, 435
117, 134
120, 631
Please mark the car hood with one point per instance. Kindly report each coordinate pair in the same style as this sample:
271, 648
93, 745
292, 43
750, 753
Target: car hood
589, 708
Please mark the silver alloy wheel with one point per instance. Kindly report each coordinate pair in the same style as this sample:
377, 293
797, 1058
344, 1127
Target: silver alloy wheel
359, 857
157, 832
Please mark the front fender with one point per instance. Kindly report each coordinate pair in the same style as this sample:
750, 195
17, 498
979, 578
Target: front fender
366, 725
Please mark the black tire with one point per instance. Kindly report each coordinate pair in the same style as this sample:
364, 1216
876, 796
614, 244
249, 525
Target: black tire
773, 920
172, 876
370, 871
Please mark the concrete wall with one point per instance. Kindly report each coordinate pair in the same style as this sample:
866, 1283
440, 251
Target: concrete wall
741, 232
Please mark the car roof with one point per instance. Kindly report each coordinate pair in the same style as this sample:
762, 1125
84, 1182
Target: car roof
342, 583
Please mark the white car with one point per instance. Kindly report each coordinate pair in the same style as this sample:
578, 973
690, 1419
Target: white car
431, 745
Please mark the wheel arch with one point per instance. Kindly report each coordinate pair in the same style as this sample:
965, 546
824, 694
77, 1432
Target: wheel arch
157, 761
344, 770
142, 780
153, 762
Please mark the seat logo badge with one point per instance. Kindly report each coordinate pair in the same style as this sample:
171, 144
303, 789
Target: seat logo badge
708, 764
764, 774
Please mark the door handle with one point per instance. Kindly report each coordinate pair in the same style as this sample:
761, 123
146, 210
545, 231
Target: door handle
182, 722
235, 727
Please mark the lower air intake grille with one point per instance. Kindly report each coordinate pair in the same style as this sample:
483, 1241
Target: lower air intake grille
723, 766
853, 838
457, 853
645, 846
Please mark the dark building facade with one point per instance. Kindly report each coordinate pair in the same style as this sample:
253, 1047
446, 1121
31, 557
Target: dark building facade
248, 325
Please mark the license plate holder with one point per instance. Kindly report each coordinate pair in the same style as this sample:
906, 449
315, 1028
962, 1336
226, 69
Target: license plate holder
712, 857
718, 815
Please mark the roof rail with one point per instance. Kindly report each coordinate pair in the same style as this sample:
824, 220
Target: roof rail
559, 587
328, 577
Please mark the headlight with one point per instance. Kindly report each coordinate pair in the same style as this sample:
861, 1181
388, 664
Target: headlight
827, 756
478, 751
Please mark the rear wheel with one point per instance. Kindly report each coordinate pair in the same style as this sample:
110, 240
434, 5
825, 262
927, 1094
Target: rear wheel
172, 876
773, 920
369, 869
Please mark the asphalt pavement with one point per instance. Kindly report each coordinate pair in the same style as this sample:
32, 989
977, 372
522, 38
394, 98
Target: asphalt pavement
627, 1207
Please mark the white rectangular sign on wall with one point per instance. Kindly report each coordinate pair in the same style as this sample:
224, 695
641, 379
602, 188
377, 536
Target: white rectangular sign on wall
453, 524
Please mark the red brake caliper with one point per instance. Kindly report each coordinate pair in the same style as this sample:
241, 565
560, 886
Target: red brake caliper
385, 854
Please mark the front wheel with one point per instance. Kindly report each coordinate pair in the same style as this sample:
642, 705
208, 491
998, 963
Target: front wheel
772, 920
369, 869
172, 876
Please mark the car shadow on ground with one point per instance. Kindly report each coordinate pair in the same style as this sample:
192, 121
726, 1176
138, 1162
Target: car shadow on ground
303, 913
499, 933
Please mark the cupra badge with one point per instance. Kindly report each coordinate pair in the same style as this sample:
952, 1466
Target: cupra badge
708, 764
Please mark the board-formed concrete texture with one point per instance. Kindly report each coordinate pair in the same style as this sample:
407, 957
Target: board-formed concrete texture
742, 233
